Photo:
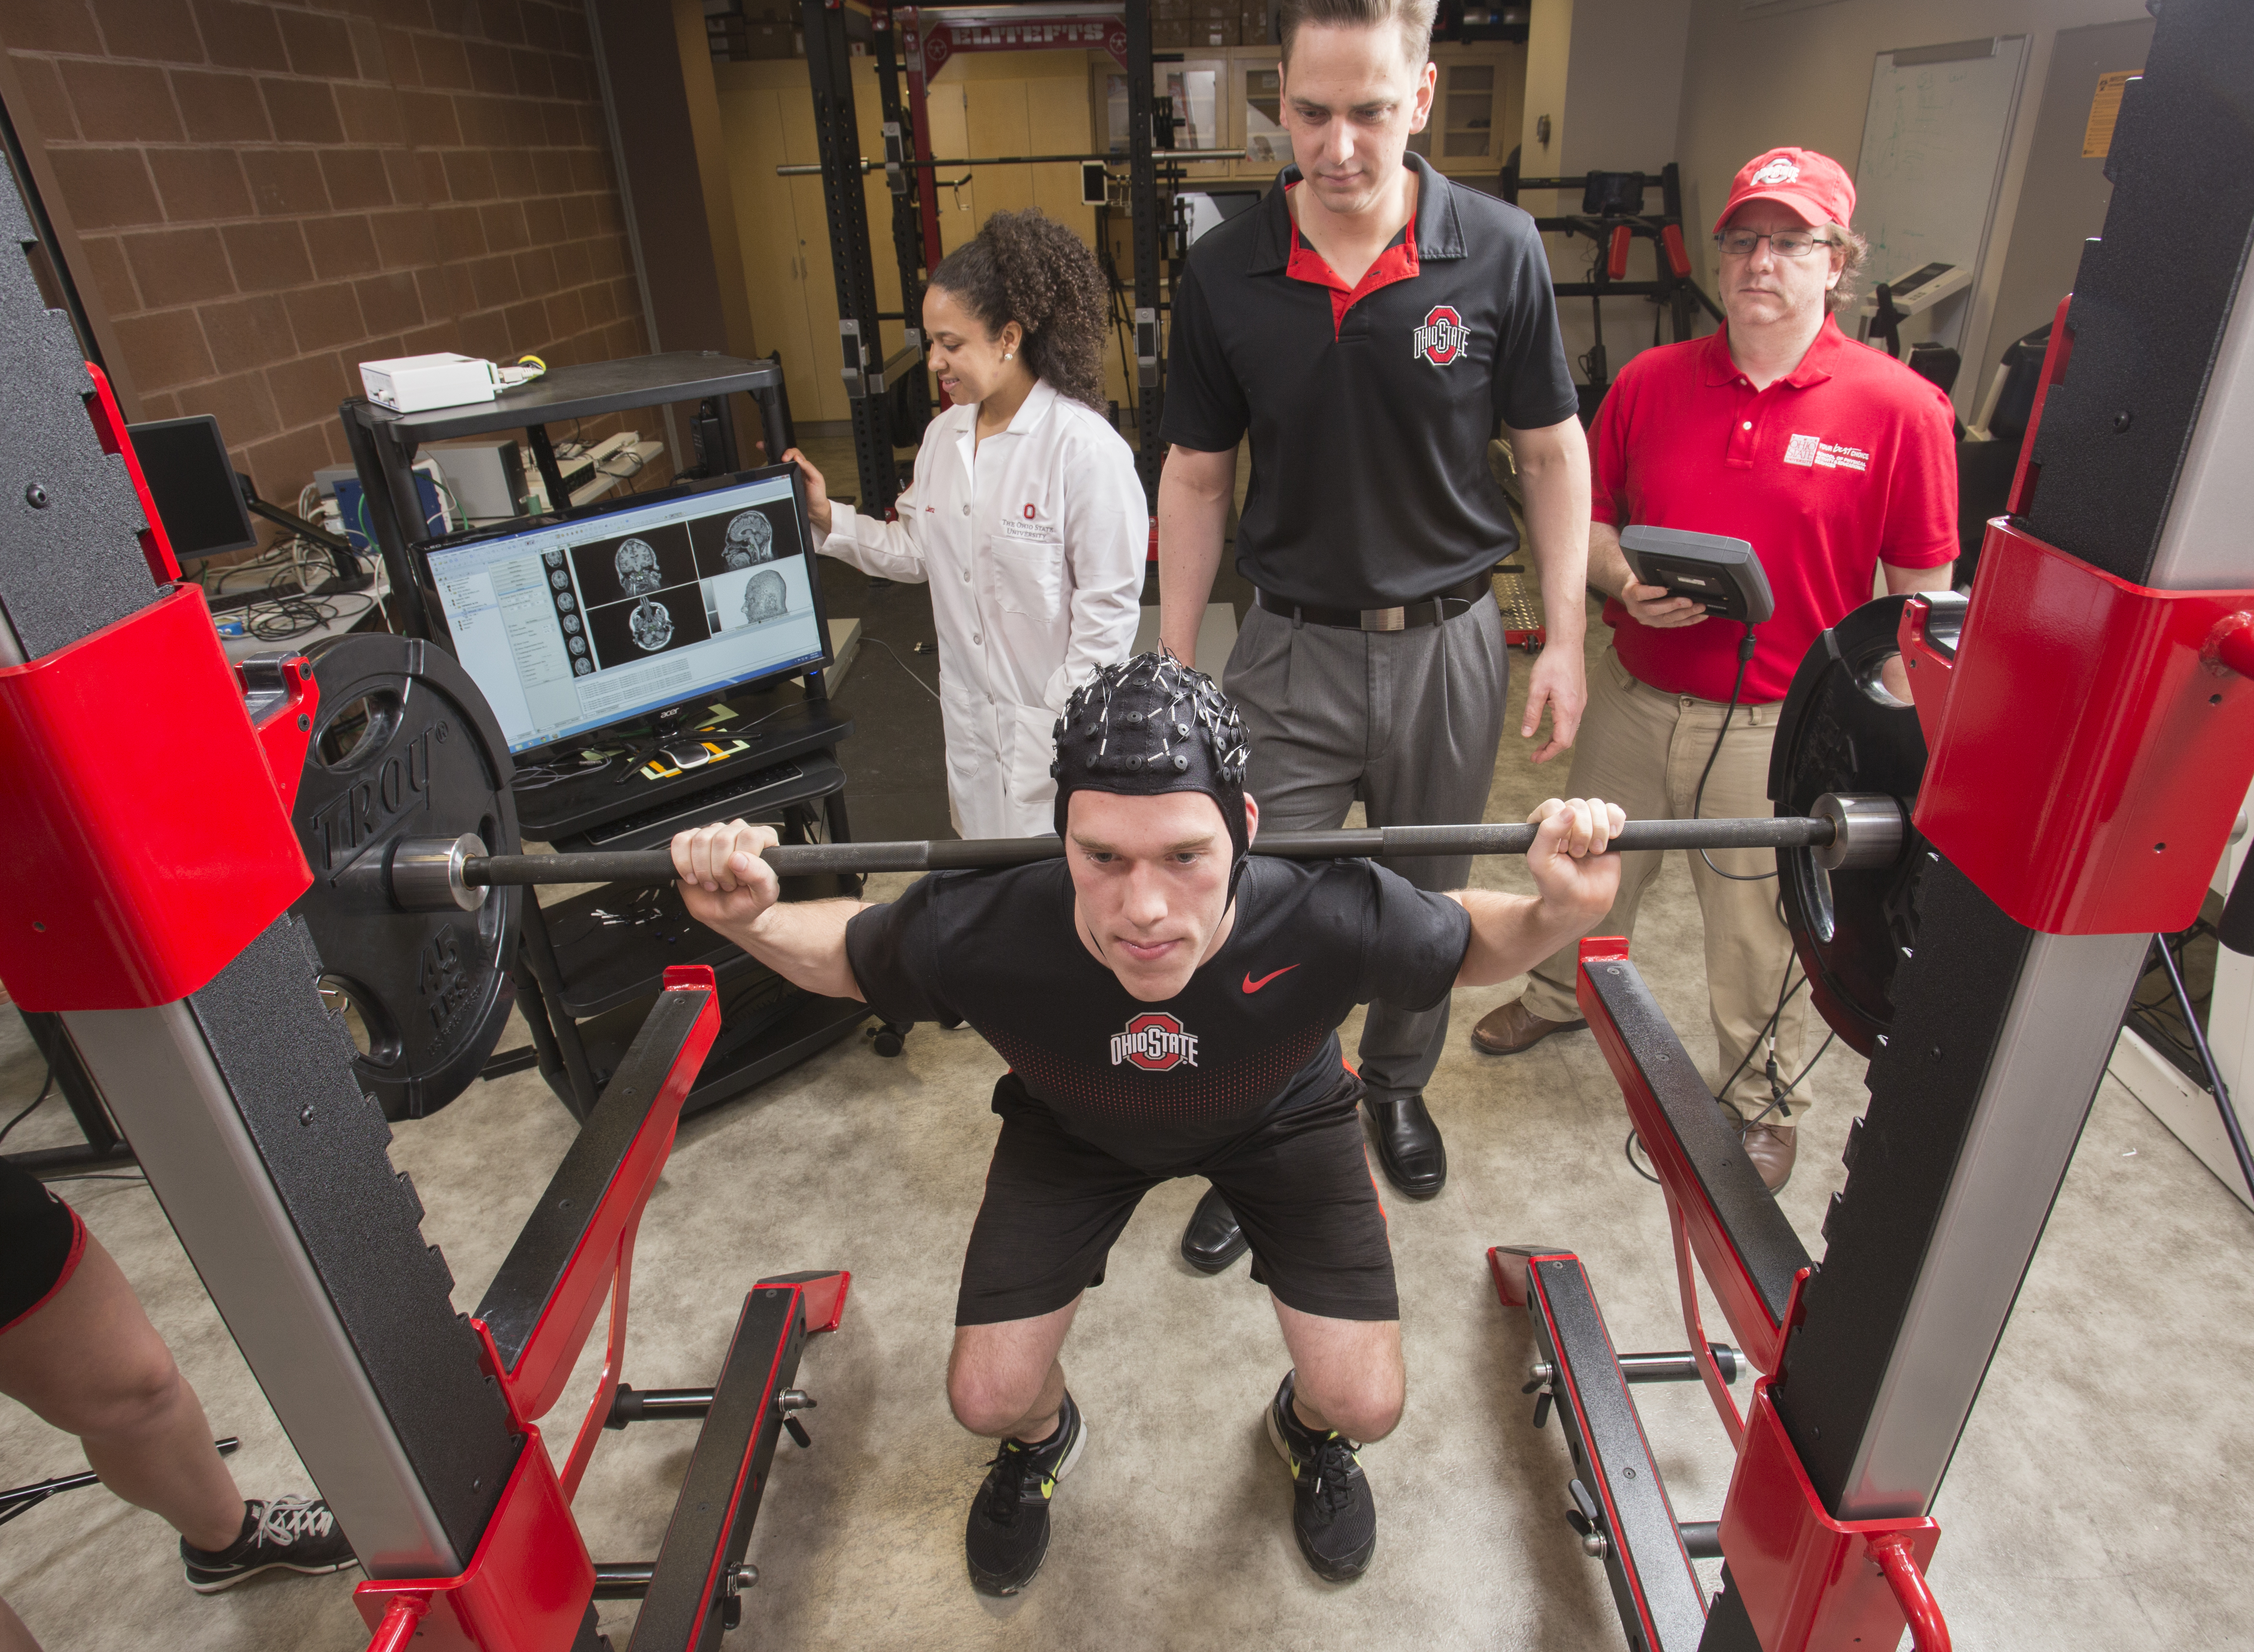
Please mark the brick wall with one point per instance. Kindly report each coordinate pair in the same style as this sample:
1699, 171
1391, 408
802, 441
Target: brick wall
267, 194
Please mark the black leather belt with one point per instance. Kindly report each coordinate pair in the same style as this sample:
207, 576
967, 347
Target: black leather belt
1426, 611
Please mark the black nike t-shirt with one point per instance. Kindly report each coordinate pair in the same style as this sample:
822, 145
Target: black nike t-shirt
1163, 1087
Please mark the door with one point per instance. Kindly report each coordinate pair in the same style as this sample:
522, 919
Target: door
774, 255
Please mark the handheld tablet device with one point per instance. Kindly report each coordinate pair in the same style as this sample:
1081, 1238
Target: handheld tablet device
1722, 573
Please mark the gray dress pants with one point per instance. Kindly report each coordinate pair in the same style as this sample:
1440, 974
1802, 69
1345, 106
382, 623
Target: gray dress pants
1408, 721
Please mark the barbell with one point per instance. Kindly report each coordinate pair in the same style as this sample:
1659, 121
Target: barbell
406, 811
1850, 832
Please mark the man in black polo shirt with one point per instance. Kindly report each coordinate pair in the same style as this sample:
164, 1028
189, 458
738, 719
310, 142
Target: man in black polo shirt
1168, 1007
1369, 324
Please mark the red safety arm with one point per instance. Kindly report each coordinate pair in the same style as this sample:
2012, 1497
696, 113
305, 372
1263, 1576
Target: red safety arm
1929, 1630
400, 1624
1678, 256
2231, 645
543, 1366
1616, 262
1755, 1329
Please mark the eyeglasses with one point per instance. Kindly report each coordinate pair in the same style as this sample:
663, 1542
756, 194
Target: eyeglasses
1785, 243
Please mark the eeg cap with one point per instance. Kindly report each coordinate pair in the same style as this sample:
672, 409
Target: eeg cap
1150, 725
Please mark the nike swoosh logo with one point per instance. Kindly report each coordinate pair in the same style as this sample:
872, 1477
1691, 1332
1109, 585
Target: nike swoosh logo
1250, 985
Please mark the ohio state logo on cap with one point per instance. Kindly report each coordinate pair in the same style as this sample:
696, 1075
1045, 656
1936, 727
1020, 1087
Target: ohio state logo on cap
1779, 171
1442, 338
1154, 1042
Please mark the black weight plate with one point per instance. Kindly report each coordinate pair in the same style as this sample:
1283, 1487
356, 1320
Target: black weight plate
1840, 730
404, 746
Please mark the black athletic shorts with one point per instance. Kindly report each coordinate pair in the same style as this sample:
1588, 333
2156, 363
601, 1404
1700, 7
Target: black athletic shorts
41, 1240
1299, 1185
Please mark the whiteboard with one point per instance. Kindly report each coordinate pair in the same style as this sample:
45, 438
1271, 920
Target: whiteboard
1932, 164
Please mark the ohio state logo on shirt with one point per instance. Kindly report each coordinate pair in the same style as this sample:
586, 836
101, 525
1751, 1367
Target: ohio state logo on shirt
1154, 1042
1442, 338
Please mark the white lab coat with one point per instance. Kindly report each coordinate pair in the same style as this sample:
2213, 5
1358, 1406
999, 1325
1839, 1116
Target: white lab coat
1033, 543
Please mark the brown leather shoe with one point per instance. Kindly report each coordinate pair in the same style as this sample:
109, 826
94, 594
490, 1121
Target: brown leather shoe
1771, 1147
1514, 1027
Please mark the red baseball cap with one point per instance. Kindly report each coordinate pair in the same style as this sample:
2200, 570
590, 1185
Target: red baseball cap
1814, 186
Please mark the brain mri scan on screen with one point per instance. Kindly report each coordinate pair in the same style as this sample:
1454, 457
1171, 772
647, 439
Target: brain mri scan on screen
571, 625
560, 579
636, 563
651, 622
765, 596
553, 559
751, 539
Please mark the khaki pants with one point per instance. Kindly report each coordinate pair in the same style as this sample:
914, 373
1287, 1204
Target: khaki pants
1643, 750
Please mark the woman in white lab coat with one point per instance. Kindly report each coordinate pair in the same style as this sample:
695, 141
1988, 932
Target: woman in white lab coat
1026, 515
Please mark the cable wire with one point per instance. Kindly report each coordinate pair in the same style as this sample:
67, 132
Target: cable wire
1787, 990
1784, 1094
1745, 658
45, 1085
1783, 997
904, 665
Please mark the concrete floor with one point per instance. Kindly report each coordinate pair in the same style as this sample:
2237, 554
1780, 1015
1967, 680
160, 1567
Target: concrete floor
2098, 1499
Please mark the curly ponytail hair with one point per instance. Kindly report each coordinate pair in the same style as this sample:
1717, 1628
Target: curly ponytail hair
1027, 268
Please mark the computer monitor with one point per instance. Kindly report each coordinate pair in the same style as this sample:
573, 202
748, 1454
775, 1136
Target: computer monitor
574, 625
192, 482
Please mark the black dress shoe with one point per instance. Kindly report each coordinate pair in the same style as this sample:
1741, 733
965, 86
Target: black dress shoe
1408, 1145
1213, 1240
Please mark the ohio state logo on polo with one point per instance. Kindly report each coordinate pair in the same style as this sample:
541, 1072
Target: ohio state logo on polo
1442, 338
1155, 1042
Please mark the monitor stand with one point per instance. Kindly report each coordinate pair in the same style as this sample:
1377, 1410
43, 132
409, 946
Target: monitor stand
350, 574
666, 727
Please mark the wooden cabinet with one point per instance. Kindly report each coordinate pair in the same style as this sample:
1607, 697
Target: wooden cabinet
766, 118
1478, 104
1258, 78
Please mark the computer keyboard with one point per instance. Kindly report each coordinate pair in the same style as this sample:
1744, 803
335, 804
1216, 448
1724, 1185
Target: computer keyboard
696, 808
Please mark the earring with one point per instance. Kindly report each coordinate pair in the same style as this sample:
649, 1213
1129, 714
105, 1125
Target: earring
1008, 355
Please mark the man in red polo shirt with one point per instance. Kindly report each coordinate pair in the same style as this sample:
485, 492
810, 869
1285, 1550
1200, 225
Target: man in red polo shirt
1834, 460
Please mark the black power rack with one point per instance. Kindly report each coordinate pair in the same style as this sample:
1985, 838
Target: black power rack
1612, 215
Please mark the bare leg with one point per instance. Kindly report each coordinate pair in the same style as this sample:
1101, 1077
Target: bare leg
1004, 1380
1350, 1374
90, 1363
14, 1637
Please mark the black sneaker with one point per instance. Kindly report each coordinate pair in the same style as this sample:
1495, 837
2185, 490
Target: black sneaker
1333, 1514
296, 1533
1008, 1536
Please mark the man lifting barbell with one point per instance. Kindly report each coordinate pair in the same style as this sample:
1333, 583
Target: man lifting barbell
1169, 1007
